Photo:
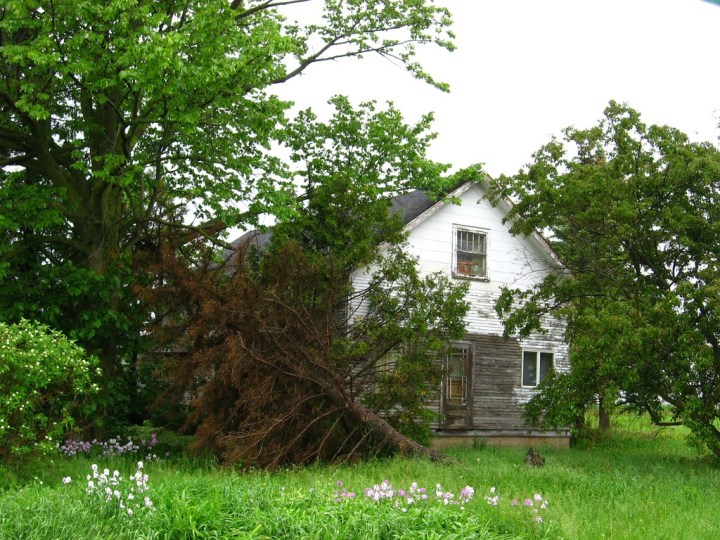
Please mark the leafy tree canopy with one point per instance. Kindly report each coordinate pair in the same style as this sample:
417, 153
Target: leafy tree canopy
633, 211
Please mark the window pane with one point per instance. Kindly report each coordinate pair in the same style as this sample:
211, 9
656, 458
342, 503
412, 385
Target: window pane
457, 377
470, 265
546, 364
456, 364
464, 241
471, 242
529, 374
470, 253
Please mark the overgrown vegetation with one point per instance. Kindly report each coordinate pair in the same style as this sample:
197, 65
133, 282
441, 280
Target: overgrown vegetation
279, 369
632, 211
636, 482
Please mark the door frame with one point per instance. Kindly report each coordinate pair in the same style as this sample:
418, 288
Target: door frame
455, 411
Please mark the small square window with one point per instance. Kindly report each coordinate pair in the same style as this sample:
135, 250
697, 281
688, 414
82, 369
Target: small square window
470, 253
535, 366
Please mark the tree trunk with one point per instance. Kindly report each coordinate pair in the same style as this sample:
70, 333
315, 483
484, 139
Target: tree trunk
379, 426
405, 445
604, 411
103, 232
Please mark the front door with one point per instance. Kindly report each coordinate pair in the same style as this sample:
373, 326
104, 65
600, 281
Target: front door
457, 387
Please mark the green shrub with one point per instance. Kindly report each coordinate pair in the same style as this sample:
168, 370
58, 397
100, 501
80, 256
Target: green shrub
167, 443
44, 379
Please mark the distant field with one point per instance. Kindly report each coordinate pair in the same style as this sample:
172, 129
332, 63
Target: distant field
640, 482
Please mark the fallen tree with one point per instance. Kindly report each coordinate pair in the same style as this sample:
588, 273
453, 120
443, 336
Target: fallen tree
277, 377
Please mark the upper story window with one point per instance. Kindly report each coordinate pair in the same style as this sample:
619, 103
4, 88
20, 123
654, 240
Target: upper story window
535, 365
470, 252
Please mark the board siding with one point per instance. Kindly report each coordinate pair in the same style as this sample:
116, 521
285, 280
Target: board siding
495, 374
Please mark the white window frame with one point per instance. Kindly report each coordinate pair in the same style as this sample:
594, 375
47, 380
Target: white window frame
471, 230
537, 353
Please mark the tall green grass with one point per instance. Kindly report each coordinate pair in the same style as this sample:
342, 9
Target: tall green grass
637, 483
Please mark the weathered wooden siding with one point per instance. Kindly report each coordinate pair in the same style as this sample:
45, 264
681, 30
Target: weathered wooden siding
497, 370
496, 397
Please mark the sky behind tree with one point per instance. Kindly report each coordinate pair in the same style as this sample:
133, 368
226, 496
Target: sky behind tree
525, 69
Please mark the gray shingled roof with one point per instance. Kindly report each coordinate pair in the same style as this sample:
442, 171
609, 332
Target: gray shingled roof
410, 205
252, 238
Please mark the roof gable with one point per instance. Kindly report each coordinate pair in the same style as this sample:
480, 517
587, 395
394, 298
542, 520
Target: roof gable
415, 207
415, 215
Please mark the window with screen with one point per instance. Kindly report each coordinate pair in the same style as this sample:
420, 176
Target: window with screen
470, 252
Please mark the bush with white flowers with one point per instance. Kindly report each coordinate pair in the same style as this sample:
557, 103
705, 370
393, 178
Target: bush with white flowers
44, 377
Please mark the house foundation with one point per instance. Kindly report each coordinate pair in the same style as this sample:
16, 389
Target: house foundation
441, 441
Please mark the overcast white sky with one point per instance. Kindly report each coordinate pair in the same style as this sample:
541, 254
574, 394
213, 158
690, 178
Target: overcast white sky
525, 69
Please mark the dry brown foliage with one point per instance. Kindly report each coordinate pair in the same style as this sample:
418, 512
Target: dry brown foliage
253, 347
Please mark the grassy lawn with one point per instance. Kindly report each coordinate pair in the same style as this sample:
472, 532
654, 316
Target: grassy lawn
640, 482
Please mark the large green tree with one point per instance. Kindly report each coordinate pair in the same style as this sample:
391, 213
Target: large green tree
633, 211
121, 118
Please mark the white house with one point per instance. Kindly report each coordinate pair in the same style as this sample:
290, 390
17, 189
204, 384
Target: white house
488, 378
